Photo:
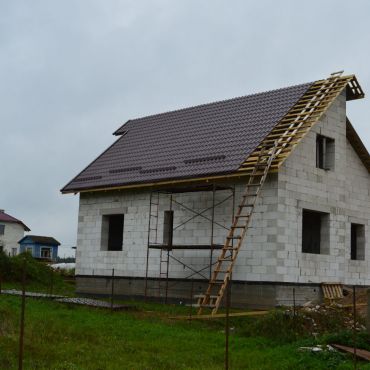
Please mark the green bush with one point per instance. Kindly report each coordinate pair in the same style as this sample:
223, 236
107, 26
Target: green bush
5, 265
278, 325
67, 273
37, 272
283, 327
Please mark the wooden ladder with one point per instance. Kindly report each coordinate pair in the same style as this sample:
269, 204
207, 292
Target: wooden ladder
268, 155
237, 231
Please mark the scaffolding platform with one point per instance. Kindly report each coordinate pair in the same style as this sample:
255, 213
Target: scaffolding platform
177, 246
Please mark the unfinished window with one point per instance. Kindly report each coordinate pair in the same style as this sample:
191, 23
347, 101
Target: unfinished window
325, 153
2, 229
168, 228
357, 242
112, 232
45, 252
315, 232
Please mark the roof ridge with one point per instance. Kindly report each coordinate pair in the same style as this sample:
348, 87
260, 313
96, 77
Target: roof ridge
120, 130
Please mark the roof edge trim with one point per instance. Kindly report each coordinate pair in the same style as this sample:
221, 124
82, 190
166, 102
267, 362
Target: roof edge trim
357, 144
156, 184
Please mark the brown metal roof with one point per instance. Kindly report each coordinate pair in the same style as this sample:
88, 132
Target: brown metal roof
194, 142
4, 217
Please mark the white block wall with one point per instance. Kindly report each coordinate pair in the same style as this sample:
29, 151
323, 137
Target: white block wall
13, 233
342, 192
272, 250
253, 264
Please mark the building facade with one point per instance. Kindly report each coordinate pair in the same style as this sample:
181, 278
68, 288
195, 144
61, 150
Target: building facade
40, 247
310, 225
11, 231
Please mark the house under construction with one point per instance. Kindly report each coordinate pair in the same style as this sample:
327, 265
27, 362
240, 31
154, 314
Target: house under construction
268, 191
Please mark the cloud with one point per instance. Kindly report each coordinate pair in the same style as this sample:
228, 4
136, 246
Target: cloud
73, 71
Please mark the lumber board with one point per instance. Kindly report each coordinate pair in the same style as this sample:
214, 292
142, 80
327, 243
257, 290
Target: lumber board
351, 305
220, 315
360, 353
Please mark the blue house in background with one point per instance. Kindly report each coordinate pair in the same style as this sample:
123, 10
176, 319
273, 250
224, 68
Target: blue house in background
41, 247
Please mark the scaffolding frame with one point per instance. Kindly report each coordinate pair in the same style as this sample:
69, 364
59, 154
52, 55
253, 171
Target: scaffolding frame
166, 254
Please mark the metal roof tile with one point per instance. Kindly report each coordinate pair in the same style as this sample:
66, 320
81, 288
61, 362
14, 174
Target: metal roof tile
232, 128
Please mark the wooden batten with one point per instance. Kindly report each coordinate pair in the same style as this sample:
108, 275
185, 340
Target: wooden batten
299, 120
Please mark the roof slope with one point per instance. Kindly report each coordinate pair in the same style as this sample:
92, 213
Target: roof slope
4, 217
47, 240
204, 140
358, 145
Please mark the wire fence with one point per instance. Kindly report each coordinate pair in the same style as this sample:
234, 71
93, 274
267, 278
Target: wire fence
114, 296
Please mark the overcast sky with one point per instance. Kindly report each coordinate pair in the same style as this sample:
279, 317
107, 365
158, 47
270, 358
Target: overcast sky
71, 72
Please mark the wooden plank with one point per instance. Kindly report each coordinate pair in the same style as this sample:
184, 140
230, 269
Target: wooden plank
277, 129
360, 353
332, 290
316, 113
351, 305
312, 105
220, 315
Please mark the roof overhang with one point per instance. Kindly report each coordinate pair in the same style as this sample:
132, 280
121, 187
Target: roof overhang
18, 222
337, 84
200, 182
354, 90
357, 144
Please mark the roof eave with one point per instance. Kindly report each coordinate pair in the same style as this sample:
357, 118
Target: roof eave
26, 228
357, 144
18, 222
159, 184
354, 90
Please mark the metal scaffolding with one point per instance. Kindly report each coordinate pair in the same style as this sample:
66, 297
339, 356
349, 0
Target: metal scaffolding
166, 248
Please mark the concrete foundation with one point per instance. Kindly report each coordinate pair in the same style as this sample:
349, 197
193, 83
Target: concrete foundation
243, 294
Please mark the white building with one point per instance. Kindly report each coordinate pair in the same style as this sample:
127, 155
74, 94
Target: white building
11, 231
310, 223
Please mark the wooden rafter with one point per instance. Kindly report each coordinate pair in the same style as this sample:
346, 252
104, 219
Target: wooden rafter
299, 120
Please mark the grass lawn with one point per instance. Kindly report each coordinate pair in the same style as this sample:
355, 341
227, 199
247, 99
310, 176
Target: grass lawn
58, 336
59, 288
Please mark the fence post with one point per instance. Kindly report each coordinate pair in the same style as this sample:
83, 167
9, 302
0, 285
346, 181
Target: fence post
191, 299
368, 311
227, 325
354, 329
23, 308
51, 280
112, 292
